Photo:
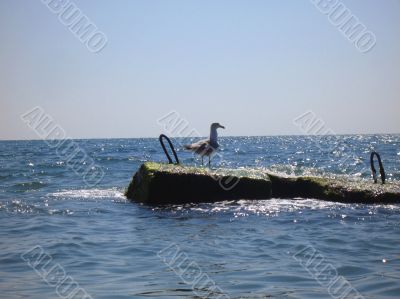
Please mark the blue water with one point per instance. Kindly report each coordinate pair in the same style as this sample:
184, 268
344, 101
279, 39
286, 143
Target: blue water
110, 247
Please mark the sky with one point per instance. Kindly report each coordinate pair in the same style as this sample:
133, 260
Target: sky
251, 65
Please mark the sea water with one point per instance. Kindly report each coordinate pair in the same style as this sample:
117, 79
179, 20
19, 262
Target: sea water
60, 235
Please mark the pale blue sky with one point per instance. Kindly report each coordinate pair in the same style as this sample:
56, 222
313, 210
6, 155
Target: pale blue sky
252, 65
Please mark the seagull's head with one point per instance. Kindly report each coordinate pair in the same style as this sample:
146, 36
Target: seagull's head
217, 126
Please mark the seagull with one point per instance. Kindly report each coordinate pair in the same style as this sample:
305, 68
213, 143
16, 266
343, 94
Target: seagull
206, 147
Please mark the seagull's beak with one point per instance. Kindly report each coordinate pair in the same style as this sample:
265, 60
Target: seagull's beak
222, 127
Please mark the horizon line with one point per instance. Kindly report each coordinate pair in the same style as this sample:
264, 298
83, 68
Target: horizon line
227, 136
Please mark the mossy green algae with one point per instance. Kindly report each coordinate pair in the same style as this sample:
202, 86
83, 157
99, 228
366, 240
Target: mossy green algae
165, 183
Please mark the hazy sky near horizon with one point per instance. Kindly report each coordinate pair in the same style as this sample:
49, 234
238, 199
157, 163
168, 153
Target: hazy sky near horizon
253, 66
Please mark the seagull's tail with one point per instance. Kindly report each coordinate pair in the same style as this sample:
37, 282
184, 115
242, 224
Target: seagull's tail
187, 147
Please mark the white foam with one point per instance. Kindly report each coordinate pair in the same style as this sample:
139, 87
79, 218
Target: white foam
275, 206
90, 194
272, 207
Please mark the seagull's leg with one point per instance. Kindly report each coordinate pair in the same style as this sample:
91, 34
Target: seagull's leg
202, 160
209, 161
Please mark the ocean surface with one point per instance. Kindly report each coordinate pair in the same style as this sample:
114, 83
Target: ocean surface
60, 235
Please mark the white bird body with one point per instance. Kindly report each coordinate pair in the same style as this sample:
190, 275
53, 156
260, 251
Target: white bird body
206, 147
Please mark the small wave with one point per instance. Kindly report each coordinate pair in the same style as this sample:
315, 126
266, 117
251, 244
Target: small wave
18, 206
273, 207
90, 194
29, 186
2, 177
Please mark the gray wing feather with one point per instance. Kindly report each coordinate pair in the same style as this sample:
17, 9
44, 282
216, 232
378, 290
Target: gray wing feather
198, 146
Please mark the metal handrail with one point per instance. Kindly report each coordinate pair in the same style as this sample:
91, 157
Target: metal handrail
381, 169
162, 136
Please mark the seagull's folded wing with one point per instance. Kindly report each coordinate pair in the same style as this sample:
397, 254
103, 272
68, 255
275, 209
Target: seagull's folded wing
198, 146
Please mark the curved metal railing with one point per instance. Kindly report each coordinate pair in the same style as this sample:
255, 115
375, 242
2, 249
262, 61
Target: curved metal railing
381, 169
161, 139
